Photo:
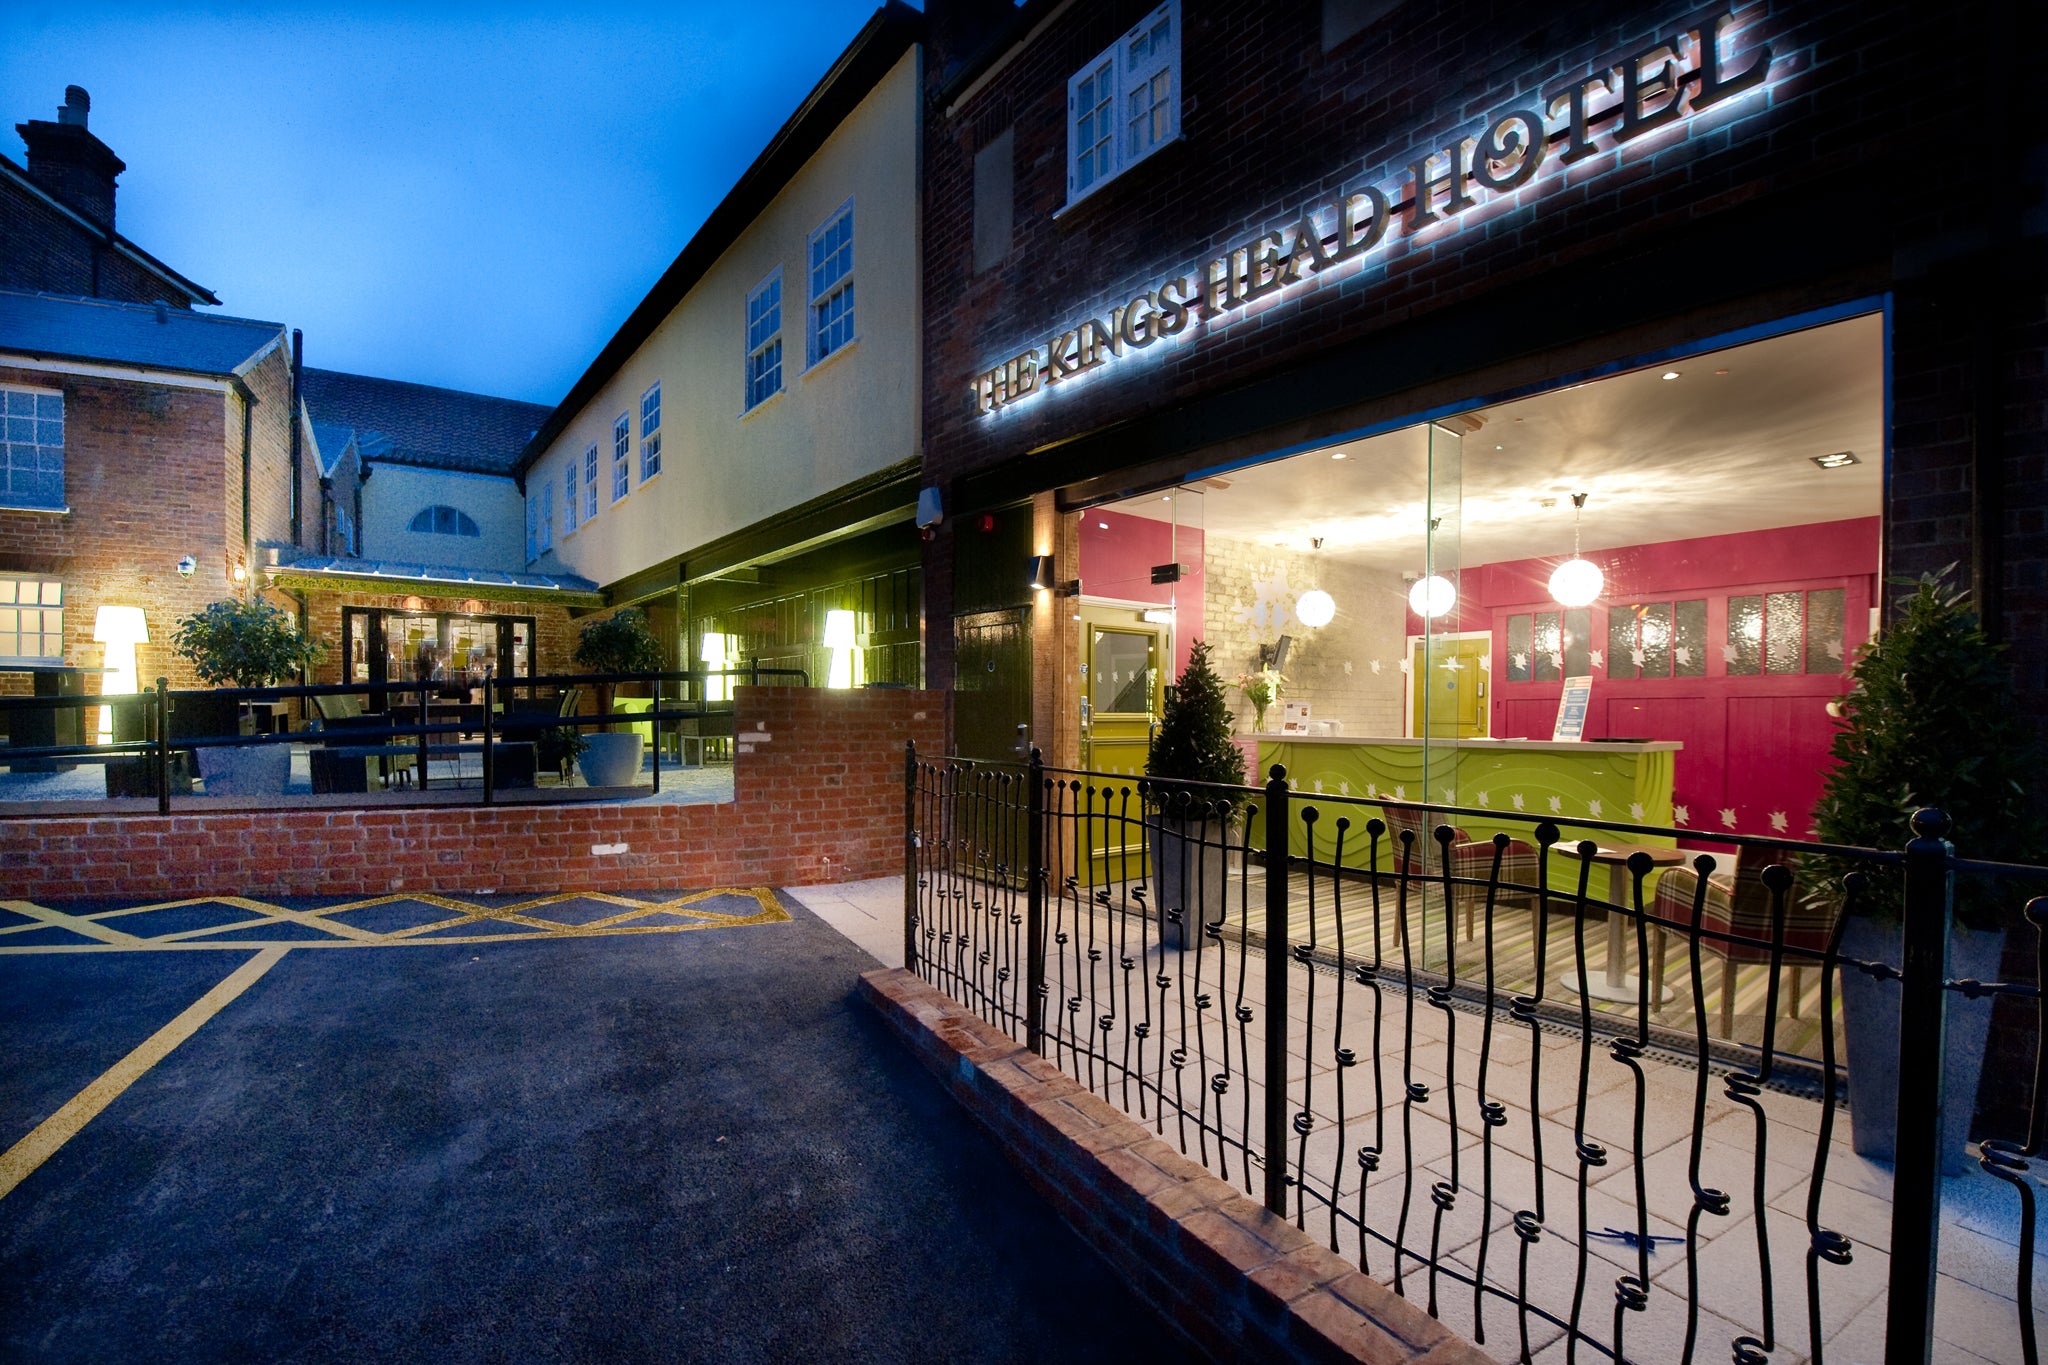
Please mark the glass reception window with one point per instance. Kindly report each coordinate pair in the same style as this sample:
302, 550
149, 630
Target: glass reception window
1788, 632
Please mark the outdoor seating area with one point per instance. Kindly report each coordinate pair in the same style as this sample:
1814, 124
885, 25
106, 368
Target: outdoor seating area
333, 742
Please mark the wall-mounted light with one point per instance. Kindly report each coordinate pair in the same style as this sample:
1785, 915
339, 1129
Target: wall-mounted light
411, 603
1577, 582
472, 607
1430, 597
187, 567
1158, 616
1040, 572
240, 573
712, 652
839, 638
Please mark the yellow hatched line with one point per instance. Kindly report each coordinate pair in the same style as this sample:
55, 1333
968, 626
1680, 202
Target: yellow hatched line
18, 1162
463, 914
77, 924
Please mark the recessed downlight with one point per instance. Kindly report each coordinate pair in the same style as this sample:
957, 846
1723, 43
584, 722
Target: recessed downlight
1838, 460
1340, 455
1671, 374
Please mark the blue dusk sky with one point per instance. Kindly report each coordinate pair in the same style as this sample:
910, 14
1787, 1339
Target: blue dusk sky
464, 196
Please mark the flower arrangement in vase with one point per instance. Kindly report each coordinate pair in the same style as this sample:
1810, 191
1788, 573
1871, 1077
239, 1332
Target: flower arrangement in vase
1261, 688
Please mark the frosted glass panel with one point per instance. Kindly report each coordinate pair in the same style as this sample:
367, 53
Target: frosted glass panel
1548, 659
1578, 643
1825, 641
1689, 639
1520, 644
1656, 644
1745, 635
1621, 642
1785, 632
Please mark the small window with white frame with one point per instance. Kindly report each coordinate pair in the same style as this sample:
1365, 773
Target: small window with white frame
650, 432
1125, 104
31, 619
570, 501
590, 482
831, 284
622, 456
764, 341
32, 448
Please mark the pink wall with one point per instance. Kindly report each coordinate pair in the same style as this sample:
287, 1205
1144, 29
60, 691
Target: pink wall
1755, 745
1117, 554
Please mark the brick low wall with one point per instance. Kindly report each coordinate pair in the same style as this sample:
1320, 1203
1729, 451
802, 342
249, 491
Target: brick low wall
1238, 1282
818, 797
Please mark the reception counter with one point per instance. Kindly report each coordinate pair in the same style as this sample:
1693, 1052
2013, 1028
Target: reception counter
1540, 778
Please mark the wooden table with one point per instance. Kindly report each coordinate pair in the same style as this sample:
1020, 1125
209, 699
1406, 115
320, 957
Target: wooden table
1614, 984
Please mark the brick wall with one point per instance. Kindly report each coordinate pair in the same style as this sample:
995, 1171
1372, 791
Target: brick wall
44, 250
818, 797
1240, 1283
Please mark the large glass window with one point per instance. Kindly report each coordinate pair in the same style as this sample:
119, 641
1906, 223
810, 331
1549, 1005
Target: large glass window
1125, 104
32, 472
31, 619
831, 276
453, 648
764, 340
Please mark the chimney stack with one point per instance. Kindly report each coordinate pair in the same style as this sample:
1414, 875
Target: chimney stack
68, 161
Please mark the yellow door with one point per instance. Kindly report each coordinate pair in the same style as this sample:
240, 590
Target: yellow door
1451, 691
1122, 689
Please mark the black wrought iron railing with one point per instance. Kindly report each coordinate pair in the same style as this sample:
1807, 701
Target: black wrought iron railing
433, 735
1536, 1107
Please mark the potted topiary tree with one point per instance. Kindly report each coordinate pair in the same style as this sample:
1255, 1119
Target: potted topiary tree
1930, 720
1190, 826
620, 643
237, 643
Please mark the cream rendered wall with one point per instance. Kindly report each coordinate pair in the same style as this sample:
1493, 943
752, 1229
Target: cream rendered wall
394, 494
853, 414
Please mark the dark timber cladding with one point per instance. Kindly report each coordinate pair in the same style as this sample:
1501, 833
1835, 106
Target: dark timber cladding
1356, 222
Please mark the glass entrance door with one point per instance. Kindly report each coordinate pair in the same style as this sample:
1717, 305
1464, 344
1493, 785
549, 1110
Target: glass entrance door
1122, 690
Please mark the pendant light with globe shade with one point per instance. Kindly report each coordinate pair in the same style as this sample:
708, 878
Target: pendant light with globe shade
1578, 581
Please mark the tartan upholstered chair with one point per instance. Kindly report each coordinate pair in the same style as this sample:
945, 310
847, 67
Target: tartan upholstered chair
1738, 902
1470, 857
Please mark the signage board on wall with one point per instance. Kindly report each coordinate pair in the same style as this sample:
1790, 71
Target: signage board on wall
1664, 84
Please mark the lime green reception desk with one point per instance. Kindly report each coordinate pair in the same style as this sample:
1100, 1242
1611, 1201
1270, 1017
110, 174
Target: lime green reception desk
1539, 778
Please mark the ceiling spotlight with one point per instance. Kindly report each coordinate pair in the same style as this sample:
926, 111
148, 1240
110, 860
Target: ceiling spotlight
1671, 374
1720, 372
1103, 524
1835, 461
1340, 455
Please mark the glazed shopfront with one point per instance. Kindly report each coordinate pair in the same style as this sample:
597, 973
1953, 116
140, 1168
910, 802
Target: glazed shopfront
1548, 380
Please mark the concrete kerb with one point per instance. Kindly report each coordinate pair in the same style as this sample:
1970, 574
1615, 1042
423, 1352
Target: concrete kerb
1234, 1278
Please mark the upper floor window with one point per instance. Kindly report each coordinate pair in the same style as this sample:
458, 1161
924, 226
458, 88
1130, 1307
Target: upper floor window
1124, 105
32, 470
31, 619
445, 521
831, 275
764, 340
569, 498
532, 529
650, 433
547, 517
622, 451
590, 482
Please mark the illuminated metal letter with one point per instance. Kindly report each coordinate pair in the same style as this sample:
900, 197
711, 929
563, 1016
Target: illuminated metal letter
1714, 85
1506, 142
1636, 92
1368, 208
1579, 145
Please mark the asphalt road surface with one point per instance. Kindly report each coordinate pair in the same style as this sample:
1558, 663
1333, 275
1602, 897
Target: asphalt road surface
421, 1131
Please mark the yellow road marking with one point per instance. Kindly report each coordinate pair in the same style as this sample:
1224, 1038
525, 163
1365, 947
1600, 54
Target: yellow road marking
18, 1161
75, 923
462, 914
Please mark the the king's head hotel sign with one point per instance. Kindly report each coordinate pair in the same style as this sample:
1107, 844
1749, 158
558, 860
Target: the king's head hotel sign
1665, 83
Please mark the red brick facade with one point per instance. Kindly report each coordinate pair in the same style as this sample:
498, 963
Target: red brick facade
818, 797
42, 248
153, 472
1836, 181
